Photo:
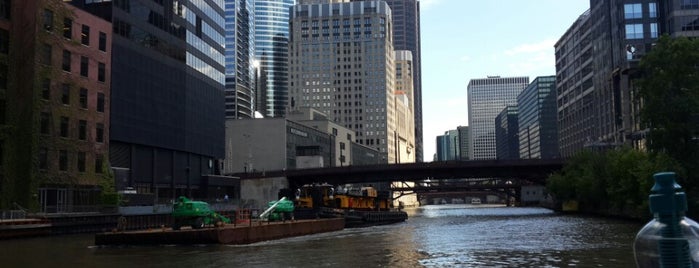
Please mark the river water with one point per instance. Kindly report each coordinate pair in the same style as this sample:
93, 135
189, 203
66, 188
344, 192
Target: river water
433, 236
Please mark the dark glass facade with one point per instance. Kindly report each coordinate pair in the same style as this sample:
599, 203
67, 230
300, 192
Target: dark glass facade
538, 130
507, 134
167, 106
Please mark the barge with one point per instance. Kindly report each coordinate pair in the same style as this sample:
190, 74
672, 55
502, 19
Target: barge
235, 234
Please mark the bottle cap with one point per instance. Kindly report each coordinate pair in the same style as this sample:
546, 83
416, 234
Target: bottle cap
667, 197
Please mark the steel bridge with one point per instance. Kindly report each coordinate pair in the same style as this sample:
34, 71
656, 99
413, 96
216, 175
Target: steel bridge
474, 175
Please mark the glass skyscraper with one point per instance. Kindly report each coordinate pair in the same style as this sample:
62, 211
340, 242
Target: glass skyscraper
272, 55
538, 131
486, 99
167, 105
240, 54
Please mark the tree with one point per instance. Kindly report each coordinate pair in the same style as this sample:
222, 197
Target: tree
669, 93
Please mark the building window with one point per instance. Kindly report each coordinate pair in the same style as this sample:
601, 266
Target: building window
634, 31
48, 20
64, 126
99, 132
654, 30
652, 10
68, 28
4, 41
46, 54
689, 4
100, 102
82, 130
66, 60
84, 64
43, 158
45, 123
100, 72
85, 35
98, 163
103, 41
633, 11
46, 89
81, 161
65, 96
83, 98
63, 160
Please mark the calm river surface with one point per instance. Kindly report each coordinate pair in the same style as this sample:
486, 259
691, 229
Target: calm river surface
433, 236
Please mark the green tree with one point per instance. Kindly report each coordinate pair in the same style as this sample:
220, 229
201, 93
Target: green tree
669, 93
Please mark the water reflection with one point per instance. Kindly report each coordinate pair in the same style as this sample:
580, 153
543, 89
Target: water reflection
434, 236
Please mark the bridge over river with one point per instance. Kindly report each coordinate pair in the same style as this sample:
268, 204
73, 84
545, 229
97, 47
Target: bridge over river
506, 176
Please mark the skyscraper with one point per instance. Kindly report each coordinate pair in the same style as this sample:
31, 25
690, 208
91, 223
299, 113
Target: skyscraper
538, 131
463, 142
240, 54
507, 133
406, 36
622, 32
272, 54
575, 90
486, 99
405, 121
342, 63
167, 106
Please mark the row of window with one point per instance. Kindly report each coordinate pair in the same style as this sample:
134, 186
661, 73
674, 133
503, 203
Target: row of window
66, 93
64, 129
80, 157
48, 22
66, 63
635, 31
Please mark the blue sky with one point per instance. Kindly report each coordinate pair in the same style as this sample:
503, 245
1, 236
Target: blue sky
467, 39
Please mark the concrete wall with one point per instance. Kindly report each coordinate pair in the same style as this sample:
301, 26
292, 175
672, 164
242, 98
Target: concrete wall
532, 194
255, 144
255, 193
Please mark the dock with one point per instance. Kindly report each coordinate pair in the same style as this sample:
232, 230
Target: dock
235, 234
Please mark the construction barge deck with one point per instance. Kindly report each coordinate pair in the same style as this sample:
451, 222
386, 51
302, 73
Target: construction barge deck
237, 234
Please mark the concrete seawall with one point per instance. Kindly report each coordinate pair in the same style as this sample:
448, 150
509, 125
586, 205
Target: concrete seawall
229, 234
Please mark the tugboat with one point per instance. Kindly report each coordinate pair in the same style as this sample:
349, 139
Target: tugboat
363, 206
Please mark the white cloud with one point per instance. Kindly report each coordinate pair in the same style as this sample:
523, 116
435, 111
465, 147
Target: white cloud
545, 45
465, 58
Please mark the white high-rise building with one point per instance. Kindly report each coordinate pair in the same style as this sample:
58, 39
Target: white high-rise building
341, 62
486, 99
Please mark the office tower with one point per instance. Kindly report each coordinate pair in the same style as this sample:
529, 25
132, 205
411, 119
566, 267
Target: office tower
167, 106
575, 90
54, 107
486, 99
241, 72
272, 55
622, 32
507, 134
463, 142
342, 64
448, 146
405, 121
406, 36
538, 130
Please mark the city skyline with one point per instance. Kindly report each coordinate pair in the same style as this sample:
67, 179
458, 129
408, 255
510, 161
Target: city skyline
453, 51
